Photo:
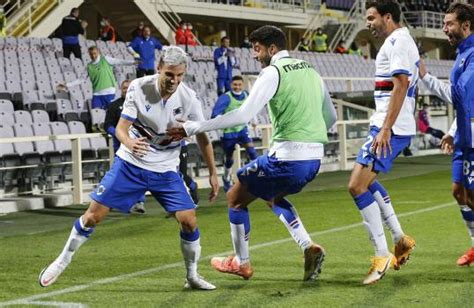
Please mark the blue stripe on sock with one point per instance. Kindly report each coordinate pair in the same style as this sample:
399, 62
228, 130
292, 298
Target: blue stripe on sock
376, 186
240, 216
284, 208
190, 236
364, 200
468, 215
80, 230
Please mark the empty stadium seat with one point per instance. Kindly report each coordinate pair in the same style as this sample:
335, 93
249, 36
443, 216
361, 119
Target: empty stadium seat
46, 149
6, 106
8, 158
6, 118
23, 116
88, 153
28, 154
40, 116
98, 118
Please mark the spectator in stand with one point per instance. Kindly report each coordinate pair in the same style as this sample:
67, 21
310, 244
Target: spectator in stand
224, 60
107, 32
320, 41
424, 124
304, 45
101, 74
180, 38
354, 49
3, 23
246, 43
189, 36
71, 27
138, 31
112, 116
340, 47
143, 47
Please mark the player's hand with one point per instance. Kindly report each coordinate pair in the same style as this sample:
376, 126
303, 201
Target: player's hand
214, 187
139, 146
381, 144
422, 69
61, 87
447, 144
177, 132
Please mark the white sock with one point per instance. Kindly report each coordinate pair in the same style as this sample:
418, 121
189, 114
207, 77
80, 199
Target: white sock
240, 241
73, 243
290, 218
373, 224
228, 174
191, 253
389, 217
469, 224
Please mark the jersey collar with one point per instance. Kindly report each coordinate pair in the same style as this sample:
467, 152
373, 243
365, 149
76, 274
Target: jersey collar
467, 43
279, 55
96, 61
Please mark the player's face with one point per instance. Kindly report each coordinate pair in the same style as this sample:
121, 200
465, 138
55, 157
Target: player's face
226, 43
94, 54
237, 86
171, 76
261, 53
146, 32
452, 28
375, 22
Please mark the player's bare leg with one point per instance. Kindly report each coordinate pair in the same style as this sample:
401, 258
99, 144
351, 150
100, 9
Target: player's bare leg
82, 229
191, 249
239, 264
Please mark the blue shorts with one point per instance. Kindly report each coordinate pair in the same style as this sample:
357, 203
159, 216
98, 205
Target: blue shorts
456, 174
468, 168
126, 183
267, 177
241, 138
102, 101
383, 164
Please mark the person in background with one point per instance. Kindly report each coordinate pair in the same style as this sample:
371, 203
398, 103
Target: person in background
246, 43
354, 49
340, 47
107, 32
424, 124
189, 36
320, 41
71, 27
179, 37
138, 31
112, 117
224, 60
143, 47
304, 45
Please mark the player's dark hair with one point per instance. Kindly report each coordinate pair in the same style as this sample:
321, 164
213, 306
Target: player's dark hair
384, 7
237, 77
92, 48
73, 10
464, 12
224, 38
268, 35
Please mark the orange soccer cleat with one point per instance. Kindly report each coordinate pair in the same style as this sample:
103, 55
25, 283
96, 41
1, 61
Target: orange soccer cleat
402, 251
467, 258
230, 265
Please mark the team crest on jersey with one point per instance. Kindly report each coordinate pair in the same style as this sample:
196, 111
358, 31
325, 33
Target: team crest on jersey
462, 62
393, 41
147, 107
100, 190
178, 110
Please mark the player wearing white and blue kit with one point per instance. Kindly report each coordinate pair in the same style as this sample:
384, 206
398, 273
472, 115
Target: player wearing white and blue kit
459, 27
443, 91
391, 128
147, 160
227, 102
301, 112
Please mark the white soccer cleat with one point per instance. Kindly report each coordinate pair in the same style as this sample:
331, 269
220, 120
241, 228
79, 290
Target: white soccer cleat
198, 283
51, 273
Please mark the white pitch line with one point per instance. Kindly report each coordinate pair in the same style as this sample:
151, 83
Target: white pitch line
33, 298
56, 304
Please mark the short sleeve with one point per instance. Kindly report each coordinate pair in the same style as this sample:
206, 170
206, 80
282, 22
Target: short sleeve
195, 112
399, 57
129, 111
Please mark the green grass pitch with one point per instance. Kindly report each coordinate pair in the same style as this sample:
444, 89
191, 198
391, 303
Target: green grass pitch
135, 261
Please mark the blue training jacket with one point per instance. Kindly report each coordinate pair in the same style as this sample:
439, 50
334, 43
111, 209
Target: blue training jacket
146, 49
224, 70
462, 89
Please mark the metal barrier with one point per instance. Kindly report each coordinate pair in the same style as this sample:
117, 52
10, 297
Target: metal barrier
425, 19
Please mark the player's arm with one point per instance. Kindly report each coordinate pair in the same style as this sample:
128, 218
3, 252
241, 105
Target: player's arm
434, 85
220, 106
381, 144
263, 90
329, 112
133, 47
119, 62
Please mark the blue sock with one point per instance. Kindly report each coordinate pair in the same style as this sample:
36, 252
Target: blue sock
252, 153
364, 200
190, 236
289, 217
81, 229
240, 216
228, 162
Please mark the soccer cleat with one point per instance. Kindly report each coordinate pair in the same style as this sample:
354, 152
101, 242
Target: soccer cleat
467, 258
402, 250
139, 207
227, 184
230, 265
51, 273
313, 261
198, 283
378, 268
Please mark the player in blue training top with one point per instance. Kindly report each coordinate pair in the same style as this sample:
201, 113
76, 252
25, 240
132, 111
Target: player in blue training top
147, 160
228, 102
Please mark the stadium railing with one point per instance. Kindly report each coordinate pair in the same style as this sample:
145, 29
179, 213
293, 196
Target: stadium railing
425, 19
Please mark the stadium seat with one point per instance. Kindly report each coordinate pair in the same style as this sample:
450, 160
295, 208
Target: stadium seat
89, 169
6, 106
8, 158
23, 116
6, 119
40, 116
28, 154
98, 117
46, 149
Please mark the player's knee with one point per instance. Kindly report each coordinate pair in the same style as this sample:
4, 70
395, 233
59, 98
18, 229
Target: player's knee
91, 219
188, 224
458, 194
355, 189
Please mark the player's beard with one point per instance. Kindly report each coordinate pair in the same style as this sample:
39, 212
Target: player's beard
265, 61
455, 38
